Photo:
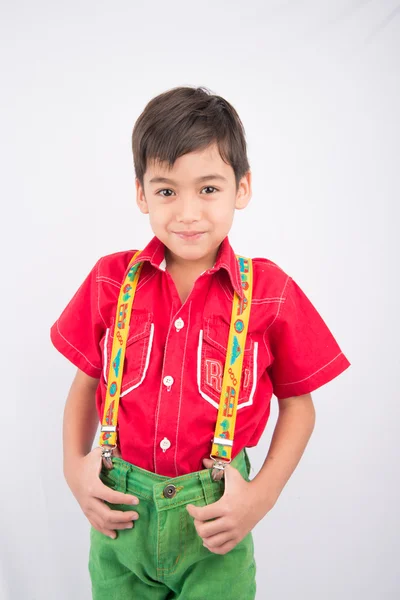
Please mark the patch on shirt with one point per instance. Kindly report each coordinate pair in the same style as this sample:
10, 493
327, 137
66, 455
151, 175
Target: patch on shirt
214, 372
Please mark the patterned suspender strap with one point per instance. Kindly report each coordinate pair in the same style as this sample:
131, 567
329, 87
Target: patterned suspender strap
108, 435
225, 428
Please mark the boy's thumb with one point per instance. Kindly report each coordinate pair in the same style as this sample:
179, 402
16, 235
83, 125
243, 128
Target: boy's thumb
208, 463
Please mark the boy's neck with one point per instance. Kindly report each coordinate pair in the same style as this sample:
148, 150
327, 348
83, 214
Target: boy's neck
189, 268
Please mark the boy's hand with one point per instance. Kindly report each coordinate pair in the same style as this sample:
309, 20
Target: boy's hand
234, 515
87, 487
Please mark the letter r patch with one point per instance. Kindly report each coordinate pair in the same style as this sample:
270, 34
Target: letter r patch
214, 374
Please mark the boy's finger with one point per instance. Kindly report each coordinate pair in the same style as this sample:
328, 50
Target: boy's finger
210, 528
109, 527
116, 517
218, 540
203, 513
208, 463
110, 518
105, 493
108, 532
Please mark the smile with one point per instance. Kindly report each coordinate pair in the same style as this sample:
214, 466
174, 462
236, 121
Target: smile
189, 235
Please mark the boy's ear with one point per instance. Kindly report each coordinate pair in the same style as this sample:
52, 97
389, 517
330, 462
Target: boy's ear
244, 193
140, 198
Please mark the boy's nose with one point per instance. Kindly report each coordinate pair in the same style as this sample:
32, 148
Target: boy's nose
188, 210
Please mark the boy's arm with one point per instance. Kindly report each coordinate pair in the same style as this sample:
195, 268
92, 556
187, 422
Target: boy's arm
292, 432
80, 420
82, 465
226, 522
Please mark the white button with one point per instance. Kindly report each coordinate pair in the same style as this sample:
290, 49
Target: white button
168, 380
165, 444
179, 324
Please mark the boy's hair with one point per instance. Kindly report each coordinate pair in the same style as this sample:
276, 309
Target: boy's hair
185, 119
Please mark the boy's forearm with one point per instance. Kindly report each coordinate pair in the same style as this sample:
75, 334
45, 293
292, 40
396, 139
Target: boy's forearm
293, 429
80, 422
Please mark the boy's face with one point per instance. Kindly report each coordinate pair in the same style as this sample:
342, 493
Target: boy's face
191, 206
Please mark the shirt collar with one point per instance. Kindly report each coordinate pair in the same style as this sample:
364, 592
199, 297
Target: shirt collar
154, 253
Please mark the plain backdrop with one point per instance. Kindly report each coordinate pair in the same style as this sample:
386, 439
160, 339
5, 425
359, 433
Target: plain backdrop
316, 84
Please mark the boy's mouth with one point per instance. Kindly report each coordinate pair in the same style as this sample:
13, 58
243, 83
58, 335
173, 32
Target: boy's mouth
189, 235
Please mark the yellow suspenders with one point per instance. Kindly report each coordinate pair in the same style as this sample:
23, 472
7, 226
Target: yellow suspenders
222, 445
225, 428
108, 436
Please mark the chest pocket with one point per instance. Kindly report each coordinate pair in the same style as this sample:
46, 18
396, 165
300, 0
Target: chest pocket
211, 356
138, 350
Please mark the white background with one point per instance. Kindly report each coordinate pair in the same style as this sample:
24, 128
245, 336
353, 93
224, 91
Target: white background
317, 87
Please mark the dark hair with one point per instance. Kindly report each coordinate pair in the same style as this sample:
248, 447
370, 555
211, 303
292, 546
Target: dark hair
185, 119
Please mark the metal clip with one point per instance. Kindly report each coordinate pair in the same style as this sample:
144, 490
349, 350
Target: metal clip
106, 455
217, 472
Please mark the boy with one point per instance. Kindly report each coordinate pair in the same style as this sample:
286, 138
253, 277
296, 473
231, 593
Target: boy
182, 346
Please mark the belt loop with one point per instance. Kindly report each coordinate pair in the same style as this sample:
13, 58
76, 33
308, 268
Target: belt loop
205, 479
123, 478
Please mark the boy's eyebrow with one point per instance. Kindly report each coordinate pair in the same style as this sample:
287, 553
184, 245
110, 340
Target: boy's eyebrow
198, 180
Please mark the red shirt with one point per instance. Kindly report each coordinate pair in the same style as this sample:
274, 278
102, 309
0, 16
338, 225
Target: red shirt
175, 353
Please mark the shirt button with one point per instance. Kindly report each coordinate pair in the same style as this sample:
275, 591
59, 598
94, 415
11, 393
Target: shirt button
165, 444
179, 324
168, 381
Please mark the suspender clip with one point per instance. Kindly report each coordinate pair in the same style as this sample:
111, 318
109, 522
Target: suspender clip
217, 471
106, 455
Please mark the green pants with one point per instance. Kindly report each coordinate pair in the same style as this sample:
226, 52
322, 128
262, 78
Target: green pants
162, 557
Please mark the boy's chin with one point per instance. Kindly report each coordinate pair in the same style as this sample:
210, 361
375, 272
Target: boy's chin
190, 252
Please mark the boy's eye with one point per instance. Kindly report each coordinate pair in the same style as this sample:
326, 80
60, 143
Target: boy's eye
165, 195
210, 187
166, 192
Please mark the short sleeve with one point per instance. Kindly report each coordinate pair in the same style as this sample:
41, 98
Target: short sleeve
78, 330
306, 355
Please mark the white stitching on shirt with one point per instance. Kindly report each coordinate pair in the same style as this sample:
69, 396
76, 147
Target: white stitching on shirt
266, 300
253, 389
141, 334
208, 398
268, 264
221, 264
98, 292
155, 252
141, 283
199, 348
108, 280
142, 257
211, 338
180, 393
280, 303
227, 292
160, 390
144, 281
266, 347
146, 366
145, 350
223, 348
238, 284
117, 285
105, 351
312, 374
81, 353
